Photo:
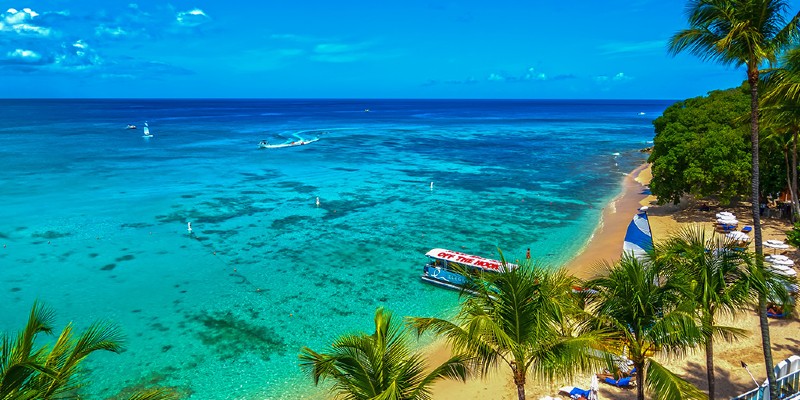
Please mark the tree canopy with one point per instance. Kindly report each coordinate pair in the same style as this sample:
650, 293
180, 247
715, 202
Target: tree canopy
702, 147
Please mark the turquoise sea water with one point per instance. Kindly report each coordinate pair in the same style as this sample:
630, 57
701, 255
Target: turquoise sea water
94, 219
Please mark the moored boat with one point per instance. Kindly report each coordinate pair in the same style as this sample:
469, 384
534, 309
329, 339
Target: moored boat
446, 268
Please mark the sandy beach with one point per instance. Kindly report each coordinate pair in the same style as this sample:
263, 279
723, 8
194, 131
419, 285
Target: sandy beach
606, 244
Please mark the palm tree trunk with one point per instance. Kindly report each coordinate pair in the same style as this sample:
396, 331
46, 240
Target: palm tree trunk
710, 367
519, 381
639, 380
795, 202
789, 177
752, 79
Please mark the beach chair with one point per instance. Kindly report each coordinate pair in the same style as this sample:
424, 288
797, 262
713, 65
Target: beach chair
747, 229
622, 382
574, 392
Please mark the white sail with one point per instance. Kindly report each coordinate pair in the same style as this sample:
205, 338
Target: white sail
147, 131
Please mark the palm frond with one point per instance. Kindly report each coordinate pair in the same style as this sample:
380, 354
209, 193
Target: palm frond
665, 385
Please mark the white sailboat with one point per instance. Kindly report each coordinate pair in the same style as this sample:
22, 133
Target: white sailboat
147, 133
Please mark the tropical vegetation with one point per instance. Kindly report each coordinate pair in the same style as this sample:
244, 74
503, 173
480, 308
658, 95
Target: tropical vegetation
528, 319
746, 33
379, 366
647, 311
718, 282
700, 149
55, 371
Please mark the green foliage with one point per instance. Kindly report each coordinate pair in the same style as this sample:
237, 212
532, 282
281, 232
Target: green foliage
378, 366
645, 309
528, 318
54, 372
702, 147
793, 236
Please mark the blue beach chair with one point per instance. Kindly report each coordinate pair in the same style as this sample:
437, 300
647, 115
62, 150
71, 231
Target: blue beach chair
574, 392
622, 382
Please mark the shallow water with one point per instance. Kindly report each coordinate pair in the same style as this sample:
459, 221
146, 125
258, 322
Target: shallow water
95, 218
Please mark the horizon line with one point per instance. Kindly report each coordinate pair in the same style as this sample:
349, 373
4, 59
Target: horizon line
335, 98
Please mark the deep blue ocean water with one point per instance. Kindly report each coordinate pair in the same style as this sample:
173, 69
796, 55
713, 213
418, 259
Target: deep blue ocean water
94, 219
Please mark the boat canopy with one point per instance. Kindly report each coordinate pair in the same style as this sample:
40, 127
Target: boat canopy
469, 260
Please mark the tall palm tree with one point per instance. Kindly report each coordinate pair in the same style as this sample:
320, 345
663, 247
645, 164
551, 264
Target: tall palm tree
54, 372
749, 33
378, 366
719, 282
645, 310
782, 108
527, 318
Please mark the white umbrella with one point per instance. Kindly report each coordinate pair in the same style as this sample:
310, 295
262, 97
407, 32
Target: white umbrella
726, 214
785, 272
780, 262
776, 245
777, 257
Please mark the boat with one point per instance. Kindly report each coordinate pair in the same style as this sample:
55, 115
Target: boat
147, 133
638, 237
445, 268
265, 145
131, 126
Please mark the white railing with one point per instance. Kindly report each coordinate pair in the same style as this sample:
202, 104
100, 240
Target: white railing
788, 387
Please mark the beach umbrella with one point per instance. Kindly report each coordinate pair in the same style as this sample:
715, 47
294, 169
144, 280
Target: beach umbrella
776, 245
775, 261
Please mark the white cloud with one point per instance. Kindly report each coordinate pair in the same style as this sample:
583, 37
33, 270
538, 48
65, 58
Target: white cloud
25, 55
192, 18
21, 22
605, 79
103, 30
496, 77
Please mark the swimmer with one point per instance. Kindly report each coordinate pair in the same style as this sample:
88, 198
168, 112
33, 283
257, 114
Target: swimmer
189, 227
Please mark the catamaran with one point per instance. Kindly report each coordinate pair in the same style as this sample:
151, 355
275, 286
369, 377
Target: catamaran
446, 266
147, 133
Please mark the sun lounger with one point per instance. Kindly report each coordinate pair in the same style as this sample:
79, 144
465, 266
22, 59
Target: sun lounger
622, 382
574, 392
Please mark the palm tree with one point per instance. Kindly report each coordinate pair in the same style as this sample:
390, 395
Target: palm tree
719, 282
782, 108
644, 309
749, 33
527, 318
378, 366
54, 372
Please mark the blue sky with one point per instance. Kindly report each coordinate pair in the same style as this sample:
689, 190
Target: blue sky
606, 49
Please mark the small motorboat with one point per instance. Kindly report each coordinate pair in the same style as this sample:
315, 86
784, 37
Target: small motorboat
131, 126
265, 145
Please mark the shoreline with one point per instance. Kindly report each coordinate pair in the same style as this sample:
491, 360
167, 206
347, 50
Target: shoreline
604, 245
605, 242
